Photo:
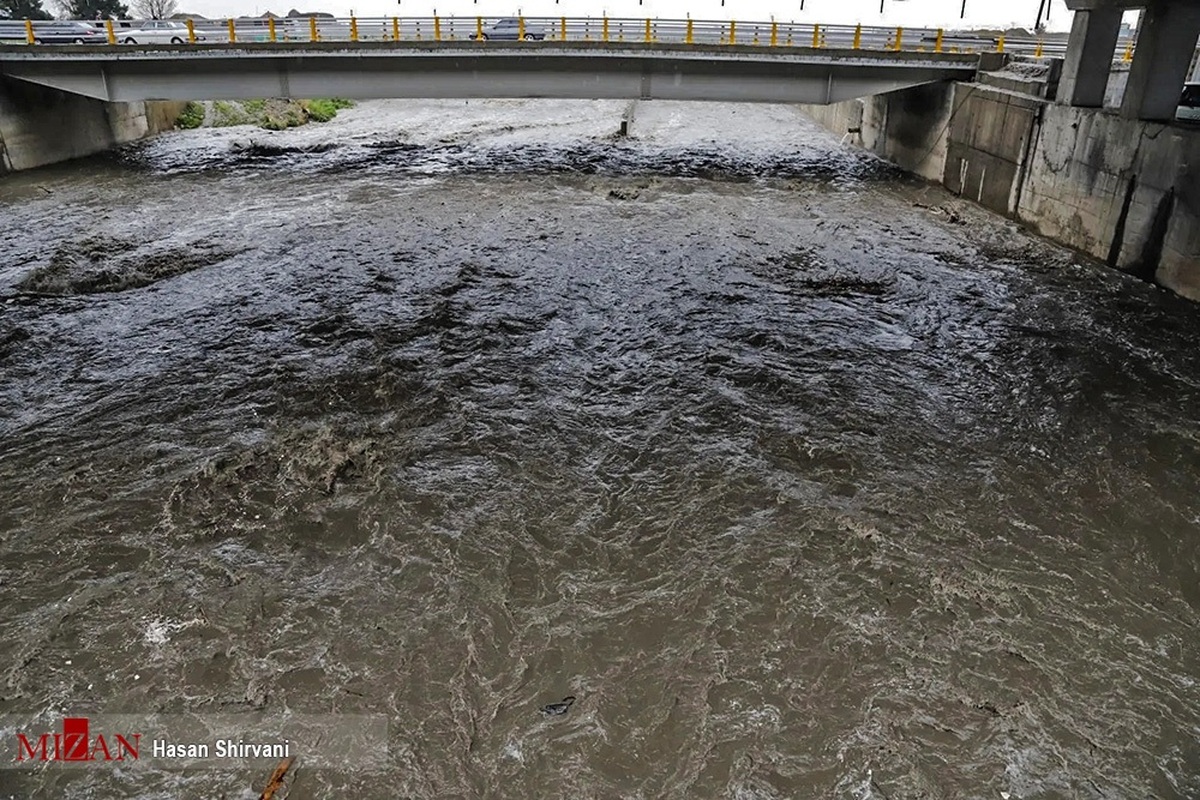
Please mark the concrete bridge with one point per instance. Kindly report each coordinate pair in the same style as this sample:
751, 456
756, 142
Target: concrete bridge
467, 69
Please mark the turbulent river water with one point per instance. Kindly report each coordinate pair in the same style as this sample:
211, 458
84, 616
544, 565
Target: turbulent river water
804, 478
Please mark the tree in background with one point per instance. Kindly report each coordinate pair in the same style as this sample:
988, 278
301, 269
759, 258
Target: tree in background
92, 9
155, 9
23, 9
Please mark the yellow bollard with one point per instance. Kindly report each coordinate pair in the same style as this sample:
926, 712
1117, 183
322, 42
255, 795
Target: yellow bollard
395, 29
191, 26
648, 38
816, 35
1128, 52
354, 29
899, 39
774, 34
688, 38
857, 37
232, 32
604, 30
562, 29
937, 47
1037, 53
29, 37
313, 33
1000, 44
108, 29
437, 29
479, 29
271, 28
733, 31
520, 28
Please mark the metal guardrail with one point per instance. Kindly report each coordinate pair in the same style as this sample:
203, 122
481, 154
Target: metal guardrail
580, 29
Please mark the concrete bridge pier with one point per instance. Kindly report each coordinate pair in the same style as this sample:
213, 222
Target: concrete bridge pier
1094, 34
1166, 44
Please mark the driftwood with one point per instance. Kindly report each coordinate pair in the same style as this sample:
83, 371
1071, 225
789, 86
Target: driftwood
276, 781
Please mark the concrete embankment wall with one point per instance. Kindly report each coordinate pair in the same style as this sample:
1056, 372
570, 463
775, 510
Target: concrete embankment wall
39, 125
1124, 191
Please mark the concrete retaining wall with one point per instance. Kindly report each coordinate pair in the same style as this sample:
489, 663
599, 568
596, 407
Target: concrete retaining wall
41, 126
1123, 191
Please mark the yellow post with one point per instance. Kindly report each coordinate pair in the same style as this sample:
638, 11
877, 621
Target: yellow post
232, 32
313, 34
271, 28
1000, 44
1128, 52
816, 35
437, 29
29, 37
1037, 53
108, 29
562, 29
899, 38
857, 36
395, 29
648, 39
479, 29
191, 26
937, 47
604, 30
687, 37
353, 29
733, 31
774, 33
520, 27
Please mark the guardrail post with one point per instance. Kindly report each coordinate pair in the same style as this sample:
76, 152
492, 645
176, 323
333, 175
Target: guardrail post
937, 46
313, 33
816, 35
271, 28
232, 32
1037, 53
108, 29
520, 28
857, 36
899, 38
395, 29
648, 39
562, 29
1000, 44
774, 33
1128, 52
437, 29
688, 37
353, 28
29, 37
191, 26
479, 29
733, 31
604, 30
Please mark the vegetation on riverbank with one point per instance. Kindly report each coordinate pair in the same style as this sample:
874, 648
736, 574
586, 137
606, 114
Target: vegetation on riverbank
273, 114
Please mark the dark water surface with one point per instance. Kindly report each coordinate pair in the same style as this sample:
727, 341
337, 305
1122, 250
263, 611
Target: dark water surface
803, 478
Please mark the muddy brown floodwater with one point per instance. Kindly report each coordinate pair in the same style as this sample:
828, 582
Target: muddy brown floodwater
802, 478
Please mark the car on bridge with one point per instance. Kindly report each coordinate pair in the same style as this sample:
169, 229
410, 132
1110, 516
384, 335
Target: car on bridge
1189, 103
50, 32
509, 30
156, 31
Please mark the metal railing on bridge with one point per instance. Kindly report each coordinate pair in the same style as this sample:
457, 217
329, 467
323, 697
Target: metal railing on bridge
772, 33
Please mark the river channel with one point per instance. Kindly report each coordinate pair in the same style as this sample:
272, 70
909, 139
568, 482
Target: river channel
803, 477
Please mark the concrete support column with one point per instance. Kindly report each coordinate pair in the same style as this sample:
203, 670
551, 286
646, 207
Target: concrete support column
1089, 59
1165, 47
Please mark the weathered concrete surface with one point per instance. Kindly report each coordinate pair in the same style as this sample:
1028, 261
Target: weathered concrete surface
1122, 190
41, 126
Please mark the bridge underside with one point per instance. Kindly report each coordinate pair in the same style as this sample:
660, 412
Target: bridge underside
471, 70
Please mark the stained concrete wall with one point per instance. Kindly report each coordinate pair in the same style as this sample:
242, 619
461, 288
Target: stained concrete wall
41, 126
1123, 191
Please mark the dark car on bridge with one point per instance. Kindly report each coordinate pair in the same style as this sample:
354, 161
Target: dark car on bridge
51, 32
510, 30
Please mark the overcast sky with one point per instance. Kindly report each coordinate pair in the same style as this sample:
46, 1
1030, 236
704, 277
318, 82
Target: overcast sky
913, 13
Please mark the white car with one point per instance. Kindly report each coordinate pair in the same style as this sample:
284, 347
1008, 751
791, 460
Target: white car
155, 31
1189, 103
